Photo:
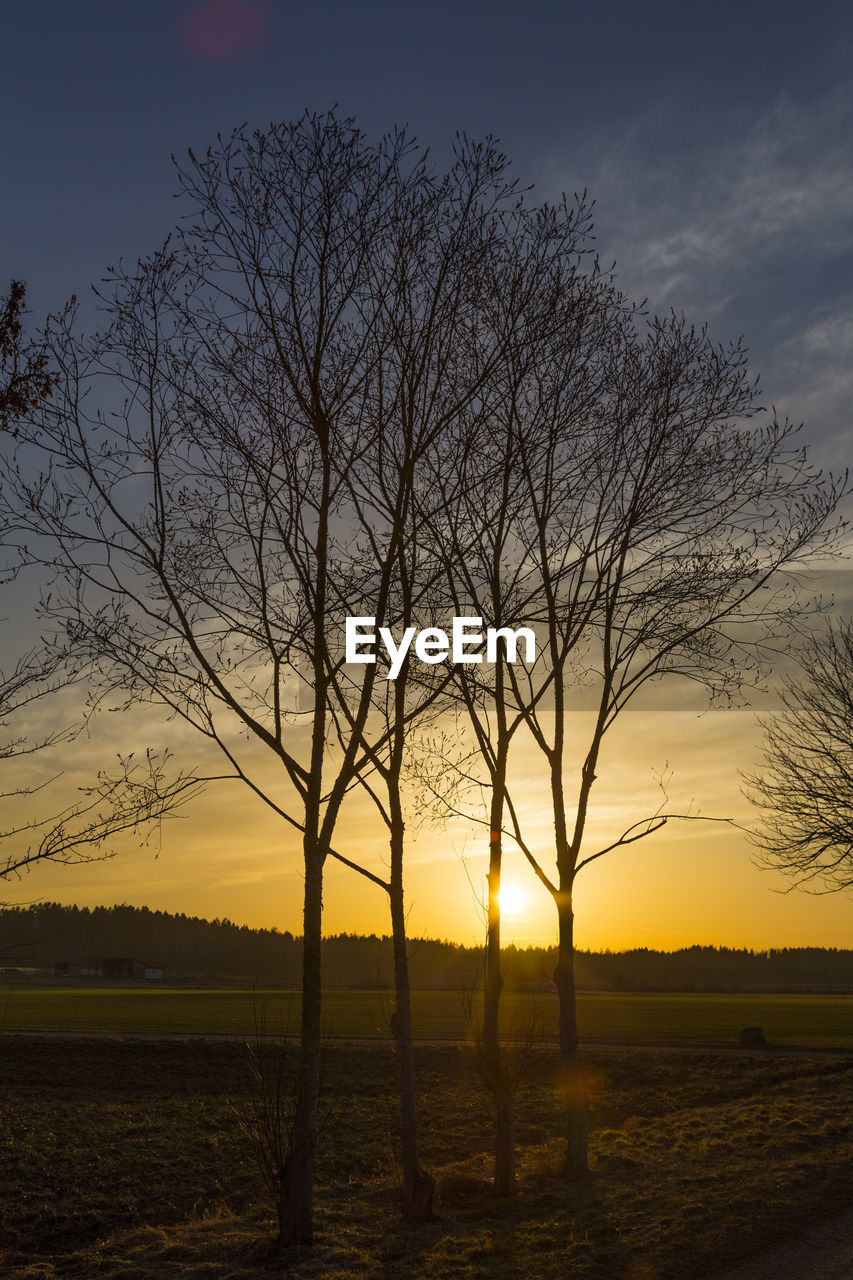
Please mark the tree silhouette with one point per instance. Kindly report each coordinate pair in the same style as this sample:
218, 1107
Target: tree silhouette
24, 379
225, 471
137, 795
350, 385
804, 788
688, 518
563, 314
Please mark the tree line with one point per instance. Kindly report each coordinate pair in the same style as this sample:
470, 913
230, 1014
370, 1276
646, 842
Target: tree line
198, 950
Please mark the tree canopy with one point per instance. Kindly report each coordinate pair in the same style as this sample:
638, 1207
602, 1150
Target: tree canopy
804, 788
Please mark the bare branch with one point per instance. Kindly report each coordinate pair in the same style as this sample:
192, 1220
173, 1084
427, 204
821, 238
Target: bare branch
805, 788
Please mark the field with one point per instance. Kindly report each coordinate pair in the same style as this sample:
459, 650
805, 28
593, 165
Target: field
124, 1154
798, 1021
126, 1158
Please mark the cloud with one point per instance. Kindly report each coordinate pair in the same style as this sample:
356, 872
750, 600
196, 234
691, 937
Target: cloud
812, 377
694, 224
745, 222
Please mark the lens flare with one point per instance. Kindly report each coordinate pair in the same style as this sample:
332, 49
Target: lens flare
225, 32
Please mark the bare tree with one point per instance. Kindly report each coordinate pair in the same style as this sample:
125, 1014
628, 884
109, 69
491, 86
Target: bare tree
137, 795
434, 369
241, 459
689, 518
225, 470
560, 310
804, 788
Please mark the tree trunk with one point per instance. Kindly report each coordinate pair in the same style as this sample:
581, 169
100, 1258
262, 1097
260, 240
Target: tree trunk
497, 1082
577, 1112
418, 1186
296, 1198
500, 1088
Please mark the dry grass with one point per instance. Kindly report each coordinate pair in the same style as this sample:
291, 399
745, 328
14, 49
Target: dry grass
125, 1159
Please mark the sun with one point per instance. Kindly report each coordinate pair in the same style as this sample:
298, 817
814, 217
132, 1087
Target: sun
513, 900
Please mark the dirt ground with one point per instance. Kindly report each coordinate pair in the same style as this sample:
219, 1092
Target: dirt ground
126, 1157
822, 1252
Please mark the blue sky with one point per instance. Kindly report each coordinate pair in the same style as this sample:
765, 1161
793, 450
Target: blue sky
716, 140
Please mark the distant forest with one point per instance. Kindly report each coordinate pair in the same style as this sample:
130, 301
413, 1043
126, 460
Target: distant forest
218, 951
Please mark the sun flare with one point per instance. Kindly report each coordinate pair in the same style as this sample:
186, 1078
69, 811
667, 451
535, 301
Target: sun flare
513, 900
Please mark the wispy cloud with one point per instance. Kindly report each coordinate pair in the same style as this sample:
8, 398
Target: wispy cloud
693, 225
747, 224
813, 375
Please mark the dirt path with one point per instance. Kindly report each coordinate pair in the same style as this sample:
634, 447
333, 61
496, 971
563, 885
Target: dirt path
732, 1050
823, 1251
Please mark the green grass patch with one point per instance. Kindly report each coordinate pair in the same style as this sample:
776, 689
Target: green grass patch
607, 1018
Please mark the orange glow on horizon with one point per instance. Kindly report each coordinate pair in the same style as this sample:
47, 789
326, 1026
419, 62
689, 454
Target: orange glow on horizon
691, 883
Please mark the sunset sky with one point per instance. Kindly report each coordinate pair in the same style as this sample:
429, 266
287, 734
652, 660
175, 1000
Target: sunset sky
716, 143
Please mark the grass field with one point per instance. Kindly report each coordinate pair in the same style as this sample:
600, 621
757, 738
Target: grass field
125, 1160
798, 1021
